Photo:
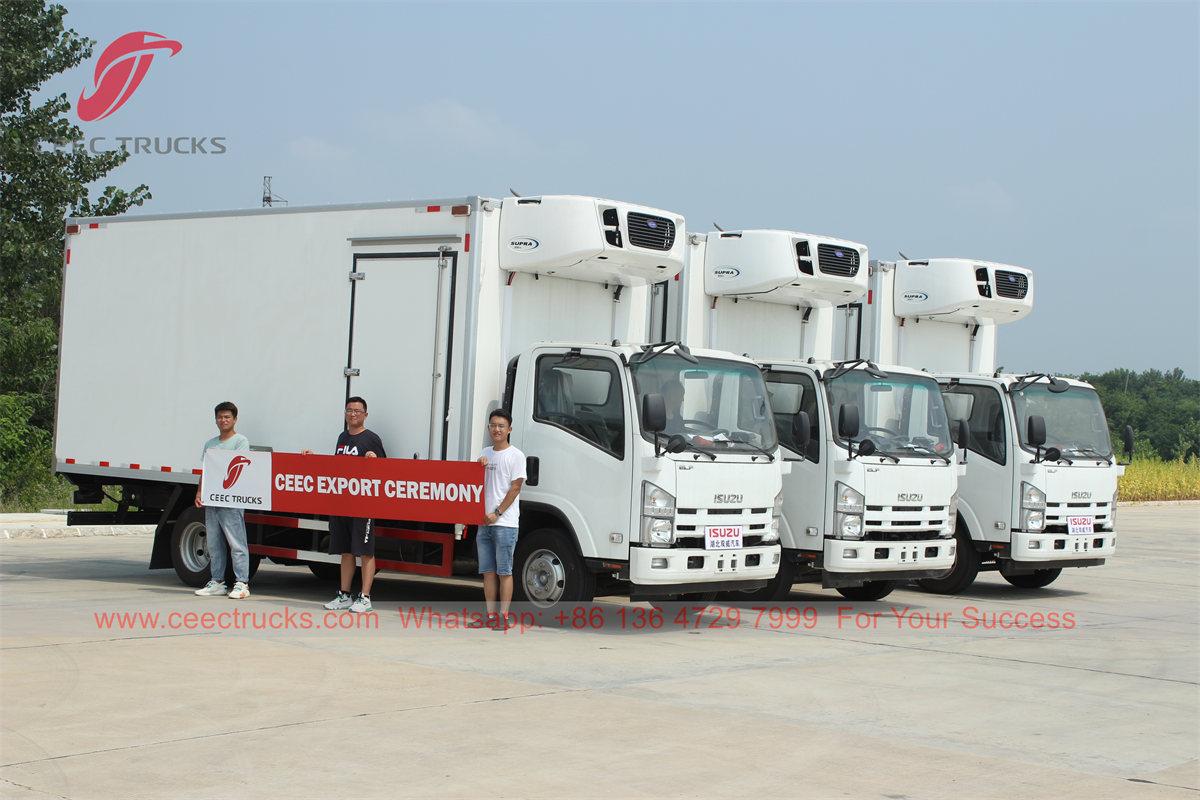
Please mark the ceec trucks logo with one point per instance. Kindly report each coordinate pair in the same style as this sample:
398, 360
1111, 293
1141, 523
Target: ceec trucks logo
120, 70
234, 471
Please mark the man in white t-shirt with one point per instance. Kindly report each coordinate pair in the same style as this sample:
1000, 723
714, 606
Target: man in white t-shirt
504, 474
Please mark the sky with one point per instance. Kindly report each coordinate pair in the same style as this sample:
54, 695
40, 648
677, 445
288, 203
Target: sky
1062, 137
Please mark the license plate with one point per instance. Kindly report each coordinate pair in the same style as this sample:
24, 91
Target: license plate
722, 537
1081, 524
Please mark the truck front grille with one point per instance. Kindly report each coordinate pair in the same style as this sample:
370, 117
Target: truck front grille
903, 523
836, 260
1057, 513
1013, 285
650, 232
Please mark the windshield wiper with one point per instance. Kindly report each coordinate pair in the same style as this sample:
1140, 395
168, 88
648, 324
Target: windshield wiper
678, 440
1083, 451
770, 456
918, 449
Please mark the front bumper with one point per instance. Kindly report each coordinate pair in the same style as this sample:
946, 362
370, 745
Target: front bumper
858, 556
662, 566
1049, 547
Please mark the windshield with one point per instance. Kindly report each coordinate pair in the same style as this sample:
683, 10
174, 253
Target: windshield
1075, 422
713, 404
902, 414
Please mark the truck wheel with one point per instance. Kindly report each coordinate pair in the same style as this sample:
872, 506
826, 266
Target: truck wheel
189, 548
869, 591
1035, 580
962, 574
189, 551
547, 571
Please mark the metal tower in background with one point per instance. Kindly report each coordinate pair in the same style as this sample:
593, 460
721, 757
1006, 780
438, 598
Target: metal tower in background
269, 198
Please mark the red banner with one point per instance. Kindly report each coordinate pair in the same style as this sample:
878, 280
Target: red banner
383, 488
346, 486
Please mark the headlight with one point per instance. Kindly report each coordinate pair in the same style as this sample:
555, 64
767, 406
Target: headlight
658, 532
657, 502
850, 505
1033, 520
1112, 513
848, 500
1032, 497
951, 517
777, 508
847, 526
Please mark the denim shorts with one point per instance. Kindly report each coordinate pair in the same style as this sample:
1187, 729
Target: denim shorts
495, 545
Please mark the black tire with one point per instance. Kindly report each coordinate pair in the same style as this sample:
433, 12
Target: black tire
547, 571
189, 548
1034, 580
189, 551
778, 589
868, 592
962, 574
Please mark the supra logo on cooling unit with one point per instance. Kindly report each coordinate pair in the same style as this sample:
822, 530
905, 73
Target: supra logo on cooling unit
726, 273
909, 497
523, 243
916, 297
1081, 495
727, 498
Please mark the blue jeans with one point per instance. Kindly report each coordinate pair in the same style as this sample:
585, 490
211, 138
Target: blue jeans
226, 531
495, 545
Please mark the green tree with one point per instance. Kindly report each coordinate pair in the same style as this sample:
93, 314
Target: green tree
44, 177
1162, 407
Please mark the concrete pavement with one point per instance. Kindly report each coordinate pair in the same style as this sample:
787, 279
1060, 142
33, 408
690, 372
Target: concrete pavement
917, 696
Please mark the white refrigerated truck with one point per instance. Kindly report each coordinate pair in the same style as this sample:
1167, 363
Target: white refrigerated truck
437, 312
1040, 489
870, 498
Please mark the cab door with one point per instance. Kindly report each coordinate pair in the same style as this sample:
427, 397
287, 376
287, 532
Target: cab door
575, 418
804, 489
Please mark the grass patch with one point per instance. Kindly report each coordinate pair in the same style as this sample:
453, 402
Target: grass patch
1152, 479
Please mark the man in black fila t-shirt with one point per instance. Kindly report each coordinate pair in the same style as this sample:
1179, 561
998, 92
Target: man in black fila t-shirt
354, 536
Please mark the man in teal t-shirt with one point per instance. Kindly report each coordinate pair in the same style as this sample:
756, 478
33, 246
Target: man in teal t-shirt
226, 527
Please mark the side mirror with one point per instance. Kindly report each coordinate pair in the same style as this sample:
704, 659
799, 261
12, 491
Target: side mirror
676, 444
1127, 440
802, 432
654, 412
1052, 454
848, 423
1035, 430
866, 447
962, 434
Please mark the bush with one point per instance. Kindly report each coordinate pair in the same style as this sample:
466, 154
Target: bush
1155, 479
27, 479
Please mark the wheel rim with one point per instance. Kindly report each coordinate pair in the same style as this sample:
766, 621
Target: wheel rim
544, 578
193, 547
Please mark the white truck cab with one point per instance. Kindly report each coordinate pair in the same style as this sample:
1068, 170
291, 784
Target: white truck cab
1039, 491
869, 500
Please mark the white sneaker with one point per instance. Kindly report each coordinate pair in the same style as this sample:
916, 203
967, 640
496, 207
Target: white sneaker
361, 604
339, 603
240, 591
212, 589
